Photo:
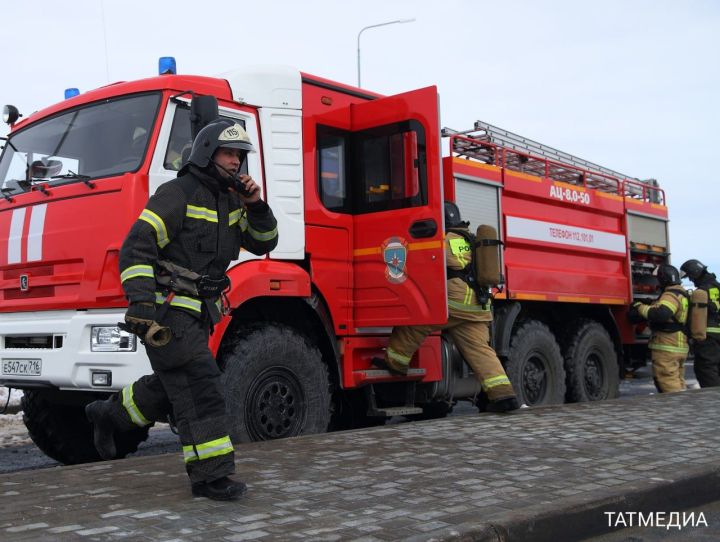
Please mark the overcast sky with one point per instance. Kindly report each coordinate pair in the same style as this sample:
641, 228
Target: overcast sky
632, 85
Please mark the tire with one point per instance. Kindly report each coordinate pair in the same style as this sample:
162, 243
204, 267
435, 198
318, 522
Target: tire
591, 364
535, 365
63, 433
276, 385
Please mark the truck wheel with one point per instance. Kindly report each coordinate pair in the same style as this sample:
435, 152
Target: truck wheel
535, 365
63, 433
591, 364
276, 385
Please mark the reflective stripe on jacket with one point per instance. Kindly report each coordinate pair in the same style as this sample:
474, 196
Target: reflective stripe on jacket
462, 299
193, 223
713, 309
673, 302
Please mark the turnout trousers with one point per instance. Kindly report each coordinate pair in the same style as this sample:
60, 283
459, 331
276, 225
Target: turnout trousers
668, 371
472, 339
707, 361
185, 384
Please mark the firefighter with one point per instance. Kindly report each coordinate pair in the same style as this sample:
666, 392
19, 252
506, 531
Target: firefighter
667, 316
706, 352
172, 268
468, 324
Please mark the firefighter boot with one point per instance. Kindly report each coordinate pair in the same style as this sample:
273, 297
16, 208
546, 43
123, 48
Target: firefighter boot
393, 367
99, 414
503, 405
222, 489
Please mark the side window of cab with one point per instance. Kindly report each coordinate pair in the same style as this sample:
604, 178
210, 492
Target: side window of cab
391, 167
332, 169
372, 170
180, 142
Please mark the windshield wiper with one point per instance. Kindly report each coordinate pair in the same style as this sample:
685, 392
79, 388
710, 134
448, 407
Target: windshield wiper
7, 140
15, 185
6, 193
71, 175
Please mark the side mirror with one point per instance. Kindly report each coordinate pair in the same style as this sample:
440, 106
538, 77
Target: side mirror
203, 110
44, 169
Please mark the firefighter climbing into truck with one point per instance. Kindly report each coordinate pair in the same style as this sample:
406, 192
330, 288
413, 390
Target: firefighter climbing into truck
470, 275
357, 182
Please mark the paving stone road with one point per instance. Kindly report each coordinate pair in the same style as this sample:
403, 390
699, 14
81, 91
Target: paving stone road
539, 474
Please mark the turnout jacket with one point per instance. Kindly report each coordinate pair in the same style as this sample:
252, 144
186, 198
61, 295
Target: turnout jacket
462, 299
667, 317
196, 224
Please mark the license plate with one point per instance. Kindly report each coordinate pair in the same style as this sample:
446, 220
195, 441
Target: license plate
22, 367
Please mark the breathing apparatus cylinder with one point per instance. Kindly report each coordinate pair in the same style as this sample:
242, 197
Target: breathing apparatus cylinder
698, 314
487, 256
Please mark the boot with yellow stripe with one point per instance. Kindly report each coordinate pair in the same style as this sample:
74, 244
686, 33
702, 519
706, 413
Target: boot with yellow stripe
393, 367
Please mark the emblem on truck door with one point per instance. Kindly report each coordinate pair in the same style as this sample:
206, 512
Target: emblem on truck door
394, 252
24, 283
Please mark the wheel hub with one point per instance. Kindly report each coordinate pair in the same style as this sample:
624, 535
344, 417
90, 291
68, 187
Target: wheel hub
593, 377
276, 405
535, 380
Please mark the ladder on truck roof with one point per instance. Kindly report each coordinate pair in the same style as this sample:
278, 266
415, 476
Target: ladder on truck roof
484, 140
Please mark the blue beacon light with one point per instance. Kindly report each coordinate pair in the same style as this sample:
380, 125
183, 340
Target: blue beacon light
71, 92
166, 65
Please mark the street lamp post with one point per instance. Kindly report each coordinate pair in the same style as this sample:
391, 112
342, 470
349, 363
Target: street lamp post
399, 21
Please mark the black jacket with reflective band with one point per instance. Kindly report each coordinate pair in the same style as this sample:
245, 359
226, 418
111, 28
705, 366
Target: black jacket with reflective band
196, 225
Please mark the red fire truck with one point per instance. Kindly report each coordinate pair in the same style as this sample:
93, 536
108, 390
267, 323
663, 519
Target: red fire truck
357, 182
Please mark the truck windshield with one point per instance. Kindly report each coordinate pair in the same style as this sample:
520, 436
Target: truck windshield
96, 140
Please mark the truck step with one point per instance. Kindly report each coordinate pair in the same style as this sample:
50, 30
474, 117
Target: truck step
389, 411
381, 374
395, 411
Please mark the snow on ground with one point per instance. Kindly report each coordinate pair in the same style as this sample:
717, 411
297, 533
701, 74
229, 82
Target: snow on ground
12, 428
15, 396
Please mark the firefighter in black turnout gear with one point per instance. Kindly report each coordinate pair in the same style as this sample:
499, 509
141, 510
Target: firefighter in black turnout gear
172, 268
707, 350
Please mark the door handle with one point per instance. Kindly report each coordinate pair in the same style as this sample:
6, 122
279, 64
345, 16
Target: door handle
423, 228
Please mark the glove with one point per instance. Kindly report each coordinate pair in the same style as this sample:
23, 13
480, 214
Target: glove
140, 320
139, 317
634, 315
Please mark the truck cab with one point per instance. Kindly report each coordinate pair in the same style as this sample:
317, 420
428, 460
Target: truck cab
354, 180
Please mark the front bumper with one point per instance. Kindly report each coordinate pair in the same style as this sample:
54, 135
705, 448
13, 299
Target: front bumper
67, 362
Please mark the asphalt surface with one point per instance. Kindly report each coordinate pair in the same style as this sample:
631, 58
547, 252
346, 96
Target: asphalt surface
540, 474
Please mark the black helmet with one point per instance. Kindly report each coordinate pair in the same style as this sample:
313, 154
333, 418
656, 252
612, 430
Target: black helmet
219, 133
693, 269
452, 216
667, 275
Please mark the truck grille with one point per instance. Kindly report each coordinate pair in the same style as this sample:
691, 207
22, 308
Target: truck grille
48, 342
11, 285
42, 291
